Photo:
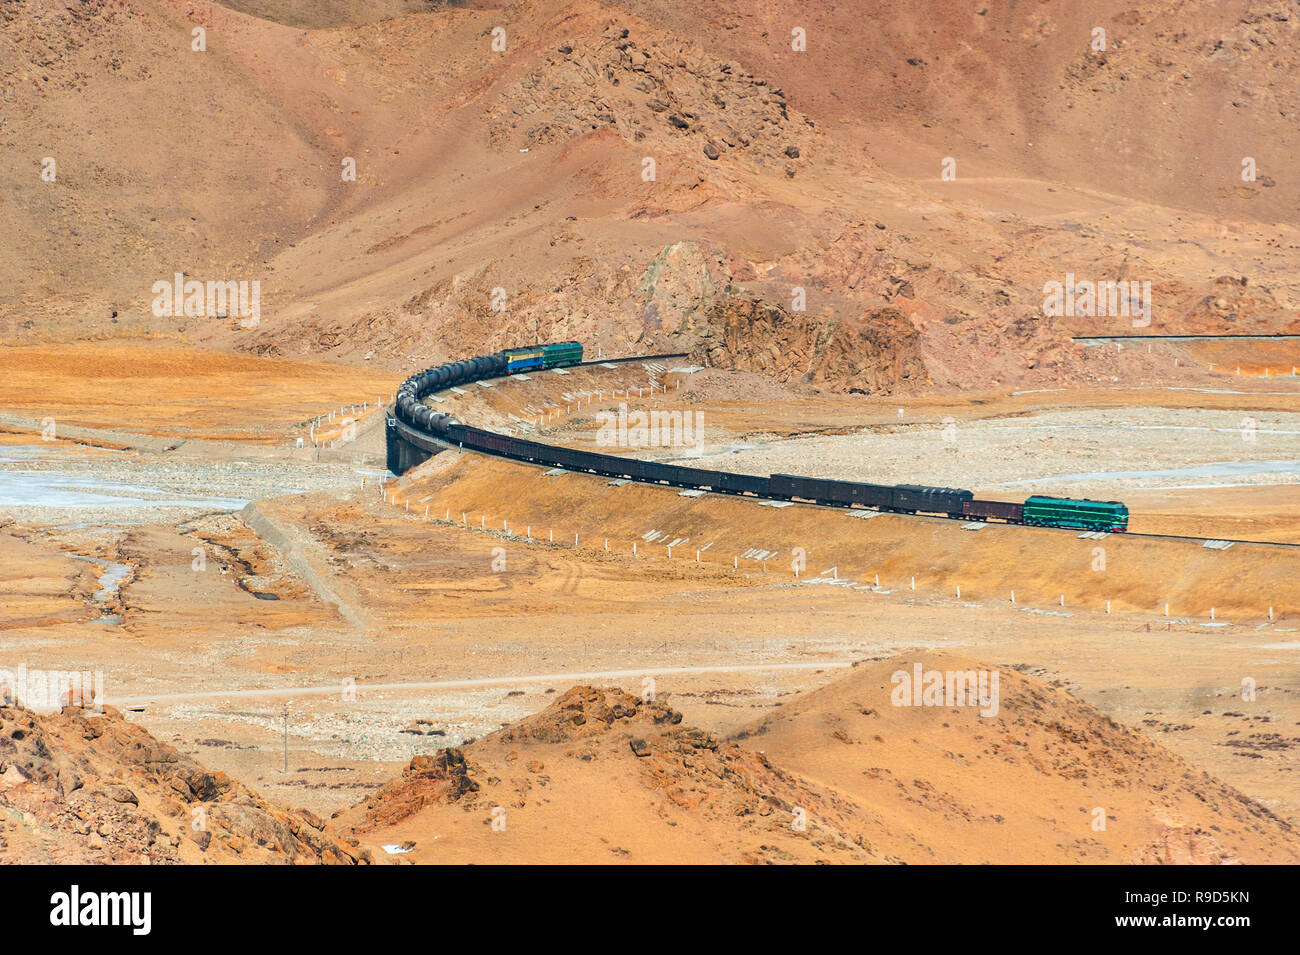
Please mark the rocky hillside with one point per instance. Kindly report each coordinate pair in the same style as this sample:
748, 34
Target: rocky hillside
653, 90
648, 788
81, 788
1157, 101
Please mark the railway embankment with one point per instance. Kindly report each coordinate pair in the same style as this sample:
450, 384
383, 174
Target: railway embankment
887, 556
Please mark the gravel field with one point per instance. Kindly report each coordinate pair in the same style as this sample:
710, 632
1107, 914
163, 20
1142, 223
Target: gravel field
1068, 452
44, 485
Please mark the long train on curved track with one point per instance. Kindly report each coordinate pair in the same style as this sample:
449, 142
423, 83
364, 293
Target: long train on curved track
417, 421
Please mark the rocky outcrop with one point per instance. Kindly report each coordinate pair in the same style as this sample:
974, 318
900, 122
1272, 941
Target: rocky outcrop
77, 787
877, 352
444, 777
651, 88
587, 711
666, 779
447, 777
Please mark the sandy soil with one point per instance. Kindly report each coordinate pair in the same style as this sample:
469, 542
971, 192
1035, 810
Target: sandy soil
161, 388
432, 590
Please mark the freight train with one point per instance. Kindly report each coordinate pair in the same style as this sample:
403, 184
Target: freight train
957, 503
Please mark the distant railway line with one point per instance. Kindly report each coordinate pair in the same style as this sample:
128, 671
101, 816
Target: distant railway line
1098, 339
416, 432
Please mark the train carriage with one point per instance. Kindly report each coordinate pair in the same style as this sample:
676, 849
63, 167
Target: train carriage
868, 495
562, 354
610, 465
523, 359
528, 357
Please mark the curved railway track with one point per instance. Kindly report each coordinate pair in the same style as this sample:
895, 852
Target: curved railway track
414, 425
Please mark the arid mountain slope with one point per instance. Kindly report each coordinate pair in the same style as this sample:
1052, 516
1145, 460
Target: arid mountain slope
601, 776
839, 774
328, 14
1180, 94
649, 176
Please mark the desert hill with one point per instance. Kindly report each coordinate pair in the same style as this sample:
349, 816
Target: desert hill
601, 776
1021, 786
794, 225
328, 14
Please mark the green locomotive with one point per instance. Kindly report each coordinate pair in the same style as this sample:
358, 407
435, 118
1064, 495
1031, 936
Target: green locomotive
1066, 512
542, 356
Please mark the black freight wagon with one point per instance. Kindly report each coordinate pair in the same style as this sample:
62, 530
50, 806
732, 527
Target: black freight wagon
843, 493
740, 483
1010, 511
931, 500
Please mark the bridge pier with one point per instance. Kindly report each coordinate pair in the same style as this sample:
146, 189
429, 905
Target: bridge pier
402, 454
